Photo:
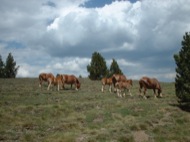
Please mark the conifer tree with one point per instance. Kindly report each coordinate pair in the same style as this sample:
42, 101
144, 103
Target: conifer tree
10, 67
2, 68
182, 80
114, 68
97, 67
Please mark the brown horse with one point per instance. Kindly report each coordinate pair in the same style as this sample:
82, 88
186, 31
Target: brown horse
106, 81
122, 86
58, 81
71, 79
150, 83
118, 78
47, 77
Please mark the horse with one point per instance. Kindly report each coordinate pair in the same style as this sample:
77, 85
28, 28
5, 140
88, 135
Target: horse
46, 77
71, 79
106, 81
117, 78
150, 83
58, 81
122, 86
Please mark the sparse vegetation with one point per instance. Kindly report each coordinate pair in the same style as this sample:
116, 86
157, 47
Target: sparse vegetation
28, 113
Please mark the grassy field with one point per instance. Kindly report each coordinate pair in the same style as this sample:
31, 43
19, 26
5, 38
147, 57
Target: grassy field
28, 113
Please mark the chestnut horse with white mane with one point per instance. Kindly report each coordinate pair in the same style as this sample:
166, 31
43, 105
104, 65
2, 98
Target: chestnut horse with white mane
46, 77
71, 79
150, 83
106, 81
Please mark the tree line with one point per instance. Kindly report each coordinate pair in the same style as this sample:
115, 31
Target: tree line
98, 69
9, 68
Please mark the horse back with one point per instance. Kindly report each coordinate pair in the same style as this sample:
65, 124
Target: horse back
118, 77
156, 83
106, 81
70, 79
46, 76
150, 83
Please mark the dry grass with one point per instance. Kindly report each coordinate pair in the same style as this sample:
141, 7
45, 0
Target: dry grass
30, 114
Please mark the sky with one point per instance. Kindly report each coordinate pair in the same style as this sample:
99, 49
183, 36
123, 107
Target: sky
60, 36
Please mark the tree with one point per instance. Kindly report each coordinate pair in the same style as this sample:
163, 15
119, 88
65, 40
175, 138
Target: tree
97, 67
10, 67
114, 68
2, 67
182, 80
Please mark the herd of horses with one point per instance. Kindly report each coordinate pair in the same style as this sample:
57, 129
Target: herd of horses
119, 82
59, 79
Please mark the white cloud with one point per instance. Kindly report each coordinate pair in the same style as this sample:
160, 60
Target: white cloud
60, 36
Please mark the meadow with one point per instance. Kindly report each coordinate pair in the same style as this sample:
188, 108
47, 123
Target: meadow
28, 113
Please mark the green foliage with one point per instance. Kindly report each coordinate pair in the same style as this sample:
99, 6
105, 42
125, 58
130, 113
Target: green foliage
182, 80
9, 69
97, 67
2, 66
114, 68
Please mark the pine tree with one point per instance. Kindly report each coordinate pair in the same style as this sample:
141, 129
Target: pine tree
182, 80
2, 68
10, 67
97, 67
114, 68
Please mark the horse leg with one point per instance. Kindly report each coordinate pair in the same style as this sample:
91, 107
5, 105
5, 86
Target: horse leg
140, 90
102, 88
72, 85
124, 93
40, 84
144, 96
75, 86
118, 92
58, 86
49, 84
130, 92
110, 88
159, 93
155, 96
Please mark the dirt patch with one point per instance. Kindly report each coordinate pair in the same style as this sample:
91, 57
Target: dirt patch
140, 136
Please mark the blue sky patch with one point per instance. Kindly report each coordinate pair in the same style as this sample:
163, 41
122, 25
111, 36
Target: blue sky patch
101, 3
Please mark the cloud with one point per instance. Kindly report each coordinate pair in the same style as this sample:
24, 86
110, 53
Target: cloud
60, 36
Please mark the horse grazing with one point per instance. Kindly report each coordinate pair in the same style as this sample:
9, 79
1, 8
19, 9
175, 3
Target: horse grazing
46, 77
71, 79
106, 81
118, 78
121, 86
150, 83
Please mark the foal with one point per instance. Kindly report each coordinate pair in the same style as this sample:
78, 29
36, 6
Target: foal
106, 81
121, 86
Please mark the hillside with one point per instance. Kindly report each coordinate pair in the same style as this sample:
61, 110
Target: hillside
30, 114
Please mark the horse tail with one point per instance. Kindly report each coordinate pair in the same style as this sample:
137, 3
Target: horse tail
40, 79
114, 80
140, 83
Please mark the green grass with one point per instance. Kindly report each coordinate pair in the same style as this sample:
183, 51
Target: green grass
28, 113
